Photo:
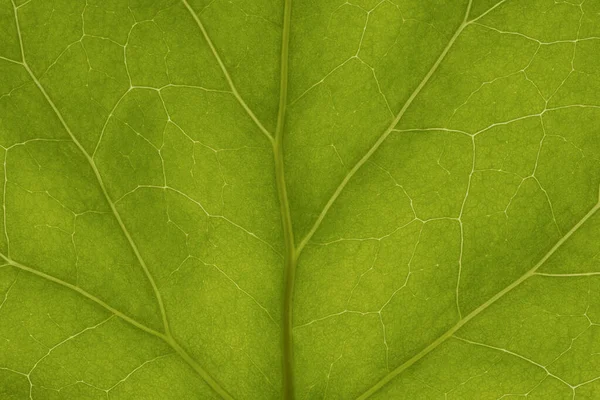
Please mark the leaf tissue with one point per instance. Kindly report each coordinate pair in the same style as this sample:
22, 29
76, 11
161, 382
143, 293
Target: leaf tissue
299, 199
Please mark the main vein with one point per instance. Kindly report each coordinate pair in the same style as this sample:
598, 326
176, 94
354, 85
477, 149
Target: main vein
441, 339
290, 256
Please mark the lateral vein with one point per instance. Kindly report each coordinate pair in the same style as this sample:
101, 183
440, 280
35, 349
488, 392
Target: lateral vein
85, 294
450, 332
106, 196
385, 134
167, 336
234, 90
92, 164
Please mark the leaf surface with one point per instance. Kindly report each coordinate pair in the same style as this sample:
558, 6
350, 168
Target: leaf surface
256, 199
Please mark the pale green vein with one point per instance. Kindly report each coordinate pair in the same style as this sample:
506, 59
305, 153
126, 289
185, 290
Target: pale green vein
5, 164
10, 60
450, 332
382, 138
167, 338
234, 90
512, 353
85, 294
21, 47
575, 274
106, 195
97, 174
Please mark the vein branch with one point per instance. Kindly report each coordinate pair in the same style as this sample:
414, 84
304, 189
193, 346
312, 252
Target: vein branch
450, 332
382, 138
234, 90
106, 195
167, 336
85, 294
92, 164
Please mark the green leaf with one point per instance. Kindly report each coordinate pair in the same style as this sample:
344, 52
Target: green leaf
257, 199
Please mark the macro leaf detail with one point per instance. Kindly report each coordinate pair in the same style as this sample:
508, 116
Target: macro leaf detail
299, 199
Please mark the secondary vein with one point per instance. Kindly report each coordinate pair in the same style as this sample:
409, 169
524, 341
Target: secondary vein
450, 332
385, 134
106, 196
234, 90
85, 294
92, 164
167, 336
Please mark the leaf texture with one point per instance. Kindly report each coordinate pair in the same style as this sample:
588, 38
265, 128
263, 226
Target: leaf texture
299, 199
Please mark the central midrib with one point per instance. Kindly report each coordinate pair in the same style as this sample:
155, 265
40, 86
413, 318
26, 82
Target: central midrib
291, 251
290, 255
